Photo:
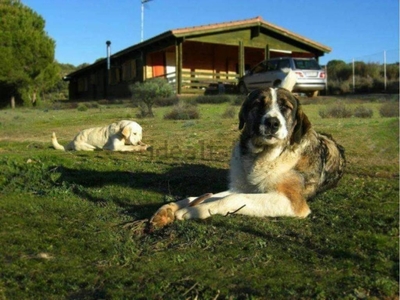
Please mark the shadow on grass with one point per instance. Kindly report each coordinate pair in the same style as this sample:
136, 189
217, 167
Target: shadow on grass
178, 181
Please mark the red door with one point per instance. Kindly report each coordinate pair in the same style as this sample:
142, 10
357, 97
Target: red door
158, 60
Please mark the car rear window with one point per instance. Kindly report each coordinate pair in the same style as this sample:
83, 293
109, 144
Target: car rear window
304, 64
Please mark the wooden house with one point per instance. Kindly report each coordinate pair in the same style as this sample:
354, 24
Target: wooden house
191, 59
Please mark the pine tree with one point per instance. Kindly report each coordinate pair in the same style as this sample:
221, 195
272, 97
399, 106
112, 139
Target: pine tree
27, 63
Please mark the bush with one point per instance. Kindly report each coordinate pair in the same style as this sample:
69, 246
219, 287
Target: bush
393, 86
183, 112
82, 107
389, 110
189, 100
363, 112
338, 110
364, 84
169, 101
338, 87
216, 99
143, 112
379, 84
146, 93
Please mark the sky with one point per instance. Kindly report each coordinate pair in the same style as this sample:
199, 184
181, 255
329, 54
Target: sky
354, 29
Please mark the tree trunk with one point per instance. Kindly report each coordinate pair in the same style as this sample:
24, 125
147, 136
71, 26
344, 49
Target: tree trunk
34, 99
150, 110
12, 102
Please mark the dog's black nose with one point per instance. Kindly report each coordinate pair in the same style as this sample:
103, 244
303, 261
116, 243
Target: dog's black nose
272, 124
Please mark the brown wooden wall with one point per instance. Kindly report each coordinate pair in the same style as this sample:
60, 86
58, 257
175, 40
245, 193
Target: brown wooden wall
204, 56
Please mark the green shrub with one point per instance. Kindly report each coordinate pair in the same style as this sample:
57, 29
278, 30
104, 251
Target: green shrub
337, 110
338, 87
190, 100
393, 86
82, 107
147, 92
143, 112
103, 102
363, 112
94, 105
364, 84
169, 101
214, 99
379, 84
183, 112
389, 110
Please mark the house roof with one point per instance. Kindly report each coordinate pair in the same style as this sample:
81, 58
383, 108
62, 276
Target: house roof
220, 27
215, 28
257, 21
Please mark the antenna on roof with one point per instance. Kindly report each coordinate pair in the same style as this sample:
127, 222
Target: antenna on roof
142, 23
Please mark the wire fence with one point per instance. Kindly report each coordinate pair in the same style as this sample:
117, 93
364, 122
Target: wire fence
390, 56
376, 72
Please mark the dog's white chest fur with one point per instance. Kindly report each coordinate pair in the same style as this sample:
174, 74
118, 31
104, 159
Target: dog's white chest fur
259, 173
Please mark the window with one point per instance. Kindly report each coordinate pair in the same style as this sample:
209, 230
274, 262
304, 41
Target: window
272, 65
259, 68
306, 64
284, 64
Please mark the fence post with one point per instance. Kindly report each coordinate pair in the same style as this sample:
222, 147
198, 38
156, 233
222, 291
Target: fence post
326, 78
354, 79
384, 68
178, 69
241, 58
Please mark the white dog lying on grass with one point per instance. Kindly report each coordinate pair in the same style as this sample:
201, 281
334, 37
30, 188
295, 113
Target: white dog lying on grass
120, 136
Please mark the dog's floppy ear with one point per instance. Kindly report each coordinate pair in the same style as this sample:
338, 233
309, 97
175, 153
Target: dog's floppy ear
246, 107
126, 132
302, 125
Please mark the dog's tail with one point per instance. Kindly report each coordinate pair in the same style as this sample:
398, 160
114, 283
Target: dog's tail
55, 143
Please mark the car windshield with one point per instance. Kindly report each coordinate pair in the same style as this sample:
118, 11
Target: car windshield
306, 64
259, 68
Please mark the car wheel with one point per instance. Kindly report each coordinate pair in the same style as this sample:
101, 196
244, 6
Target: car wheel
312, 94
242, 88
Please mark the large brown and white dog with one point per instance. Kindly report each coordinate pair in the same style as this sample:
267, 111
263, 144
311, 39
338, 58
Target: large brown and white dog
278, 163
124, 135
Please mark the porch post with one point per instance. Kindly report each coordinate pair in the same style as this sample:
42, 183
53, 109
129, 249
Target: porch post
178, 66
241, 58
266, 52
142, 66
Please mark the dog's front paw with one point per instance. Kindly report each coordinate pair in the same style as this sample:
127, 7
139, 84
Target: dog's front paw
203, 211
164, 215
144, 147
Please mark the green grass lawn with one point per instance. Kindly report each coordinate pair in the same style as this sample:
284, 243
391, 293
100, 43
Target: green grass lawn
64, 216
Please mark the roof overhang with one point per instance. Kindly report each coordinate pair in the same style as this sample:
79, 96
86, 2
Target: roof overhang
188, 32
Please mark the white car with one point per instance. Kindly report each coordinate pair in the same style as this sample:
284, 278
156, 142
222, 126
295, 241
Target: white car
311, 78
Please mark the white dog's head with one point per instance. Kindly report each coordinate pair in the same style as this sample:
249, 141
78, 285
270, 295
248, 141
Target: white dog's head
131, 131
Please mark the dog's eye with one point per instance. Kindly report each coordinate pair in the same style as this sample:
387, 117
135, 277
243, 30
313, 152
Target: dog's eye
283, 108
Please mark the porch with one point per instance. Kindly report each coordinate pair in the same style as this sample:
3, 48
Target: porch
197, 67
